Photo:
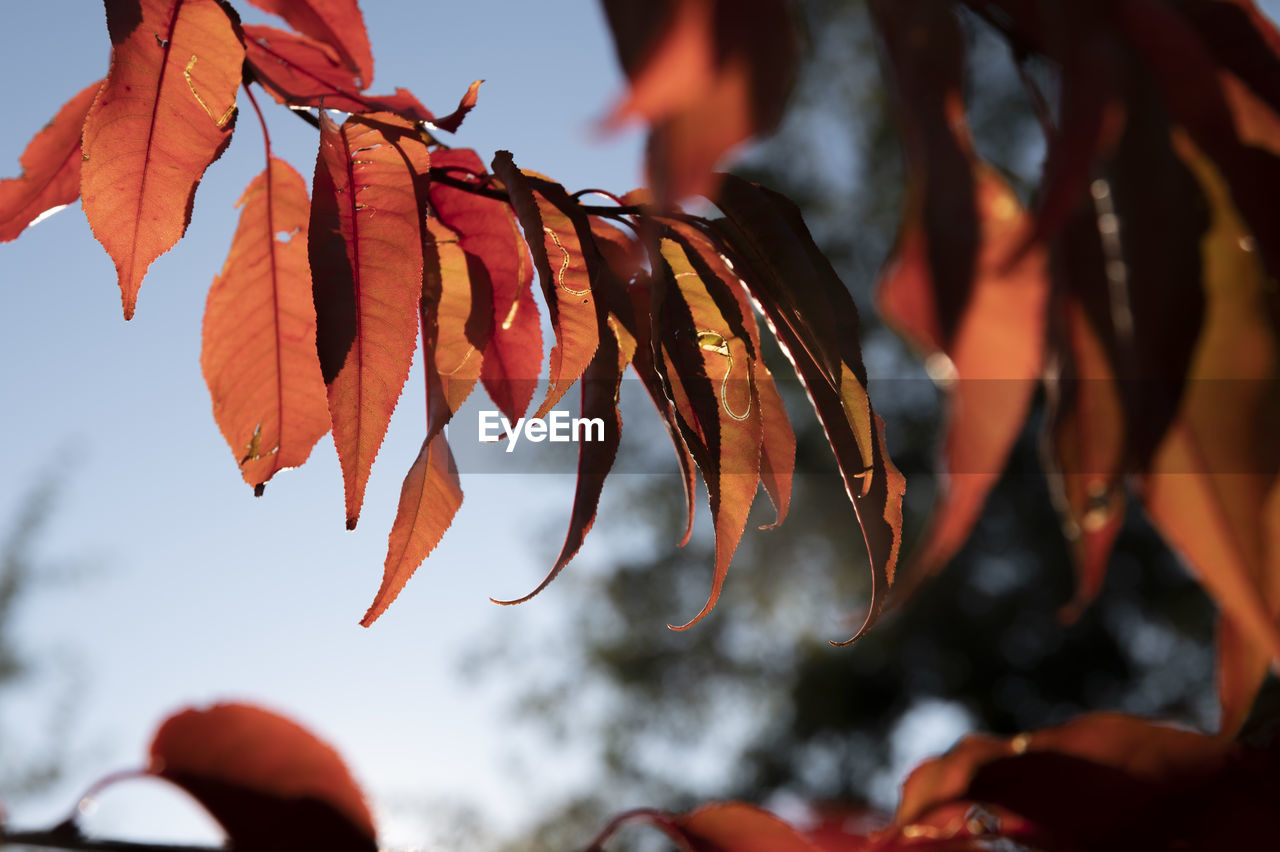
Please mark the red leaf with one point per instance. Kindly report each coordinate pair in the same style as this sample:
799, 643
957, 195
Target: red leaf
567, 262
365, 246
600, 386
722, 827
270, 783
50, 178
706, 75
337, 23
816, 323
259, 352
300, 71
496, 254
175, 68
733, 437
429, 499
455, 324
453, 120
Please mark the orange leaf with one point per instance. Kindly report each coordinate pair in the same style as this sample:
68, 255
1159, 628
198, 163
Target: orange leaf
707, 75
732, 436
568, 263
337, 23
50, 178
496, 254
1213, 475
259, 352
270, 783
301, 71
816, 322
455, 324
725, 827
163, 115
429, 499
451, 122
365, 246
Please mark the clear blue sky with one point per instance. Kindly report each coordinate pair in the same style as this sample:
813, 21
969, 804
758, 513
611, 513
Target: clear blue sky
194, 591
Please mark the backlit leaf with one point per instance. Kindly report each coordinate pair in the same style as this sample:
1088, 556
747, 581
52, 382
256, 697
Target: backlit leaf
336, 23
271, 784
724, 827
497, 255
50, 176
567, 261
816, 322
732, 441
259, 351
301, 71
163, 115
456, 319
706, 75
365, 246
429, 499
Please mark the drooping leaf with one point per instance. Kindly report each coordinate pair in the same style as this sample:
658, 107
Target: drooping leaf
778, 439
336, 23
706, 75
429, 499
165, 113
456, 322
496, 254
300, 71
259, 352
271, 784
50, 178
949, 287
567, 261
728, 361
365, 246
1212, 475
600, 387
632, 309
816, 322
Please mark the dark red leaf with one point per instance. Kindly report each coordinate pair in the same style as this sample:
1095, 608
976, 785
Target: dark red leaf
50, 178
496, 254
336, 23
259, 351
270, 783
365, 245
816, 323
567, 261
175, 69
453, 120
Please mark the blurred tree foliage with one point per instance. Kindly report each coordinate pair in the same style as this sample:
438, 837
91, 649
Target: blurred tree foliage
753, 703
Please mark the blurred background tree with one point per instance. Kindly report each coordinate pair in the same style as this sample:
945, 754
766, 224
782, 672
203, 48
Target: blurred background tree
753, 703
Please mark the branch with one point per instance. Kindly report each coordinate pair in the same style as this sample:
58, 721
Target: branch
67, 836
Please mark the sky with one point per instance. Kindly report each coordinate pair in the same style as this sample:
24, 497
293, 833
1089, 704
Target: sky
182, 588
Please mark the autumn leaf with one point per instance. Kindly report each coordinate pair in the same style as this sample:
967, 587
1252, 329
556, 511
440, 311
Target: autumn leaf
816, 323
429, 499
259, 352
300, 71
336, 23
456, 320
719, 827
706, 75
271, 784
567, 261
365, 247
733, 436
175, 69
50, 178
498, 259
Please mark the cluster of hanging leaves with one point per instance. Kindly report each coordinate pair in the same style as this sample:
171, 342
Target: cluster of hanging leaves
314, 321
1139, 288
1100, 782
